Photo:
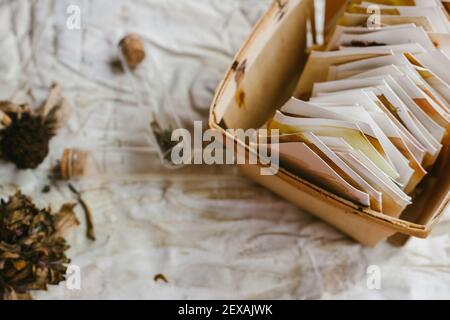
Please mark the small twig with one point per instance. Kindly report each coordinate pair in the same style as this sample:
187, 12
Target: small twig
90, 231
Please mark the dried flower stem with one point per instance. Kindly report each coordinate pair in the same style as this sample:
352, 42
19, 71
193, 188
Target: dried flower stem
90, 230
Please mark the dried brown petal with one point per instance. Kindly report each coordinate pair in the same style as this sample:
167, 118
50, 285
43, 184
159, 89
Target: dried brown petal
5, 120
65, 219
55, 109
9, 107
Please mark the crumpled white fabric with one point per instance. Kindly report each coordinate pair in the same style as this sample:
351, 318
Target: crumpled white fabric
211, 232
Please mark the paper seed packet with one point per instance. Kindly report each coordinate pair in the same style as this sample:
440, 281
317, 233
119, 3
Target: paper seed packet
371, 112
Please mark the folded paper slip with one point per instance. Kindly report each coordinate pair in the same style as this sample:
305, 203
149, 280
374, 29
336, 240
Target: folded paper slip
395, 105
347, 130
435, 13
418, 95
372, 183
386, 36
414, 98
356, 19
301, 159
415, 72
364, 120
393, 129
336, 40
319, 62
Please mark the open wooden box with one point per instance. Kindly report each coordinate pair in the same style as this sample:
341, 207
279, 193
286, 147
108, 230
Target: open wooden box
262, 77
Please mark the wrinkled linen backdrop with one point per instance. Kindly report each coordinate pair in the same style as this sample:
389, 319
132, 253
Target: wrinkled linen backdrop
208, 230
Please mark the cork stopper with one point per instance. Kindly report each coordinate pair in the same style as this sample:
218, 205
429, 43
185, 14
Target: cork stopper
73, 163
133, 50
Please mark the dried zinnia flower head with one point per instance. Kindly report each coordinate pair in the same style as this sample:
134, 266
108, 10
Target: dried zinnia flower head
25, 139
32, 247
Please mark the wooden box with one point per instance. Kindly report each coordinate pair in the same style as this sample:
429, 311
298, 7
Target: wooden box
261, 78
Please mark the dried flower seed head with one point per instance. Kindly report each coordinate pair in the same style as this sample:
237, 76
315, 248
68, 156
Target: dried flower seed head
133, 50
32, 249
25, 140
